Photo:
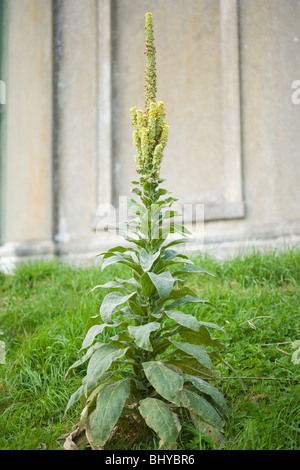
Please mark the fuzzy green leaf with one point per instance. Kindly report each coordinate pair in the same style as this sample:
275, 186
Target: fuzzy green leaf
184, 319
174, 228
191, 270
169, 254
108, 285
191, 366
109, 406
114, 250
198, 405
75, 397
165, 381
211, 325
177, 241
160, 418
138, 309
198, 352
94, 331
207, 429
201, 337
100, 362
208, 389
147, 260
121, 260
94, 320
134, 207
141, 334
131, 281
120, 339
163, 282
161, 192
147, 285
169, 214
161, 346
80, 392
110, 302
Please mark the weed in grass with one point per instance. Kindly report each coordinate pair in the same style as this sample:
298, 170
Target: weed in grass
34, 393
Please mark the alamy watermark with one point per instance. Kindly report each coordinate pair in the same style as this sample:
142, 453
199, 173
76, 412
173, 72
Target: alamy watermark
295, 96
2, 92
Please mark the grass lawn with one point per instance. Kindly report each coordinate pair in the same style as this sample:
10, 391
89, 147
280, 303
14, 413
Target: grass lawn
43, 310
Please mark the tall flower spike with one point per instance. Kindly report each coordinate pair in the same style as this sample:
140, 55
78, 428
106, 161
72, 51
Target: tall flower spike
150, 130
150, 86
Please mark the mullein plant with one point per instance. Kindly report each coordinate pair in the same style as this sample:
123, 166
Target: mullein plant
154, 364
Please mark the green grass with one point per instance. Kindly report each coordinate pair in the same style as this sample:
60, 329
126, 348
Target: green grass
43, 310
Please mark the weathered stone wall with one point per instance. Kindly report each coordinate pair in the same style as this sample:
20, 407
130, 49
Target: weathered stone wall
28, 159
225, 72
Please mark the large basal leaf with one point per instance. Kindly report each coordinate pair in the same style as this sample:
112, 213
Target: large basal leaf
110, 302
163, 282
207, 429
94, 331
141, 334
208, 389
147, 260
198, 405
198, 352
100, 362
80, 392
160, 418
211, 325
184, 319
201, 337
166, 382
189, 365
109, 406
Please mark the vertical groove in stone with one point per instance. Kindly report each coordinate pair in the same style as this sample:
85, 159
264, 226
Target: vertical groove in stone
57, 51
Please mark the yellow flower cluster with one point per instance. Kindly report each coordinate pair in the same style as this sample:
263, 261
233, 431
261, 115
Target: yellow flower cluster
150, 130
149, 138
